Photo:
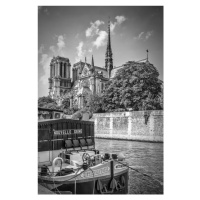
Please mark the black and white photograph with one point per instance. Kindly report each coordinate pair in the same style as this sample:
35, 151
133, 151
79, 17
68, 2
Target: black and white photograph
100, 100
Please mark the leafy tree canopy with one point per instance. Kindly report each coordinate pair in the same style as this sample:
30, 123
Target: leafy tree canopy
136, 87
94, 102
48, 102
65, 103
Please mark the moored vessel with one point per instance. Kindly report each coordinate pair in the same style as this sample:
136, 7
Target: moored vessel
68, 162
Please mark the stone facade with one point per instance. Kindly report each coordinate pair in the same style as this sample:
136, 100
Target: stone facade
83, 78
59, 81
135, 125
86, 78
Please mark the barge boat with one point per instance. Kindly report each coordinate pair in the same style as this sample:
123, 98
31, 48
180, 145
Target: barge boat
68, 162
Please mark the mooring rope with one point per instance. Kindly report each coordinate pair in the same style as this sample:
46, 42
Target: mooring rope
144, 174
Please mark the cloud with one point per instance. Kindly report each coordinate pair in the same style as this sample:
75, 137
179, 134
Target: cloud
94, 28
60, 46
80, 51
101, 39
120, 20
53, 49
144, 36
45, 59
45, 63
41, 49
112, 26
61, 43
90, 50
140, 36
148, 34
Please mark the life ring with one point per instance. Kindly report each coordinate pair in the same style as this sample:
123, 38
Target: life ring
54, 162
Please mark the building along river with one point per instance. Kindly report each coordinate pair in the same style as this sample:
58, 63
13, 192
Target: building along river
146, 157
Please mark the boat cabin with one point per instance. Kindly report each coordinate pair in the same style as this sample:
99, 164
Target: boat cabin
63, 136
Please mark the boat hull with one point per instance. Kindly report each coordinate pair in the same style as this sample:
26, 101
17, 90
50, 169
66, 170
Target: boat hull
90, 186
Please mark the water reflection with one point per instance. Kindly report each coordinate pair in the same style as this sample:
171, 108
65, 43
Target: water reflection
145, 156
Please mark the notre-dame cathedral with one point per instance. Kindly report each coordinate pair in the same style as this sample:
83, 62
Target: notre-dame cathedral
86, 78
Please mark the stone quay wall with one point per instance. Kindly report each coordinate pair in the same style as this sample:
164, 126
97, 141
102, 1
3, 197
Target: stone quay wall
134, 125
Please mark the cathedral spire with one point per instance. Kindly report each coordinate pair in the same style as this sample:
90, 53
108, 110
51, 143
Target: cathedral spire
108, 59
93, 74
92, 64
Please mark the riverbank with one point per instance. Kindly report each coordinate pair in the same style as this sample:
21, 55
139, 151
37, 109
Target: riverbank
134, 125
136, 140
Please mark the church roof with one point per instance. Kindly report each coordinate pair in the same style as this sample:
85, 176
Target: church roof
82, 64
100, 68
59, 58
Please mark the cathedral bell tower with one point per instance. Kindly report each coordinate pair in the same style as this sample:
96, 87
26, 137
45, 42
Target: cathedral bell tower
108, 59
60, 78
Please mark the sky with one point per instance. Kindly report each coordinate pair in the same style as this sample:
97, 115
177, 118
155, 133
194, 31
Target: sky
77, 32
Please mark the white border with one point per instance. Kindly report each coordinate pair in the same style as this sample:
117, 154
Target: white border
19, 97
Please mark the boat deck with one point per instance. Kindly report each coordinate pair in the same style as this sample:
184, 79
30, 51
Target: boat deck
57, 167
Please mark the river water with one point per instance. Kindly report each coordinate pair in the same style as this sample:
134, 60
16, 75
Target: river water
146, 157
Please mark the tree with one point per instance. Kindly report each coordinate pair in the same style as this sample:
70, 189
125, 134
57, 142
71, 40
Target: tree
70, 111
47, 102
94, 102
65, 103
43, 101
136, 86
